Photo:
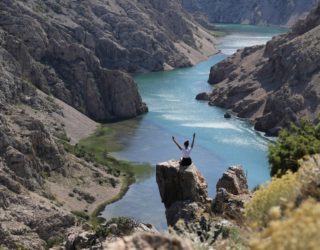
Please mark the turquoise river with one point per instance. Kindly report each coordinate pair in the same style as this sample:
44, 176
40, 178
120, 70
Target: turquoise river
174, 111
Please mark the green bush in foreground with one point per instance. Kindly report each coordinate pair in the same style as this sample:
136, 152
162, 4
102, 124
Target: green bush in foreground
298, 230
124, 226
292, 145
278, 193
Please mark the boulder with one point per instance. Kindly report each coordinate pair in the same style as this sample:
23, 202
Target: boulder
227, 115
82, 239
232, 194
149, 241
79, 240
18, 163
204, 96
183, 191
234, 181
186, 210
177, 183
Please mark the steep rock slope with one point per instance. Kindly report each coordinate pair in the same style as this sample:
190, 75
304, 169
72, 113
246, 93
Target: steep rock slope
39, 180
251, 11
74, 49
275, 84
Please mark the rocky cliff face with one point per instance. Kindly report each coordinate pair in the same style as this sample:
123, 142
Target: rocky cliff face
183, 191
232, 194
74, 49
276, 84
189, 211
251, 12
41, 44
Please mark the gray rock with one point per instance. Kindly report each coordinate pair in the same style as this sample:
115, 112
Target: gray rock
234, 181
186, 210
113, 228
149, 241
178, 183
203, 96
227, 115
183, 191
232, 194
273, 85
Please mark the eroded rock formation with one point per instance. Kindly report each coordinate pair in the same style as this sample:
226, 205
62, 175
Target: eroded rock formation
150, 241
231, 194
183, 190
76, 49
276, 84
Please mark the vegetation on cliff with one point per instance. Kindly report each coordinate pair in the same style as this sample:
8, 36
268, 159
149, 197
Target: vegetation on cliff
285, 212
292, 145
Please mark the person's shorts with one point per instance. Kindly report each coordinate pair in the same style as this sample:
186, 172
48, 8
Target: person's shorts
186, 162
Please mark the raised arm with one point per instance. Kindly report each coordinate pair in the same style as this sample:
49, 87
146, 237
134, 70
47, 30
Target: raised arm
194, 136
174, 140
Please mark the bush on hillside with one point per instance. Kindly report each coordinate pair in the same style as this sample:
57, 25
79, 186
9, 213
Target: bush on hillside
298, 230
292, 145
279, 193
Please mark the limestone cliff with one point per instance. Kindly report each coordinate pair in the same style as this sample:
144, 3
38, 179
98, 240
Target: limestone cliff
190, 212
41, 182
276, 84
273, 12
183, 191
75, 49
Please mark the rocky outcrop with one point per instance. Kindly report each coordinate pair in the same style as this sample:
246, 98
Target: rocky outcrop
78, 50
192, 215
250, 11
38, 176
203, 96
178, 183
234, 181
41, 44
183, 191
27, 221
81, 239
276, 84
150, 241
231, 194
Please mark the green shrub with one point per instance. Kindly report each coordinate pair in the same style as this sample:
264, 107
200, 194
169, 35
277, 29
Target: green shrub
125, 225
55, 241
298, 230
81, 215
292, 145
280, 192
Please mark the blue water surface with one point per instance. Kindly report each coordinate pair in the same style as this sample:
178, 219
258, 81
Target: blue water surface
174, 111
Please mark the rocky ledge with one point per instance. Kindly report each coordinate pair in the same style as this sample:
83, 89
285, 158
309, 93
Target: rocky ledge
183, 191
276, 84
231, 194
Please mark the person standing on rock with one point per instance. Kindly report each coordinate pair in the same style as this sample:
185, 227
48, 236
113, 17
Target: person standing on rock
186, 151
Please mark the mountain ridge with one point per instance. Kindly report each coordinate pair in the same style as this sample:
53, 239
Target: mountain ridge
276, 84
260, 12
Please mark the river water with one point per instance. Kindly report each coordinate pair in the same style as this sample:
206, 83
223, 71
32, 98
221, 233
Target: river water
174, 111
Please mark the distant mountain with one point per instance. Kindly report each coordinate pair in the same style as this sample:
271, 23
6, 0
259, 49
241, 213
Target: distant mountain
274, 12
276, 84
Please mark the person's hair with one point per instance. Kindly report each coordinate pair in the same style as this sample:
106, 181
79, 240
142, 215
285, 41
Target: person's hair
186, 144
